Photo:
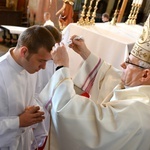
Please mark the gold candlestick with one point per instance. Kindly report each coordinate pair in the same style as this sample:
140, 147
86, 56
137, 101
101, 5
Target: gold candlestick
114, 19
134, 17
81, 20
92, 21
131, 13
87, 20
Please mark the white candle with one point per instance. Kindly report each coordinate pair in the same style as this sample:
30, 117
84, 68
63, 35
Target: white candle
137, 1
140, 2
133, 1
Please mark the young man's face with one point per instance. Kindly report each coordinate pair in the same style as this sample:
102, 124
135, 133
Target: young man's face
34, 62
104, 19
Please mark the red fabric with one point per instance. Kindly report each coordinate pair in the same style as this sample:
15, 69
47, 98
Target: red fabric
42, 148
85, 94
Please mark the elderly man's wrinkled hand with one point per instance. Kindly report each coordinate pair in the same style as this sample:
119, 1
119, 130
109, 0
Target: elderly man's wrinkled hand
60, 55
78, 45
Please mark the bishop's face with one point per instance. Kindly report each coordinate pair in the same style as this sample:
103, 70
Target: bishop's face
133, 74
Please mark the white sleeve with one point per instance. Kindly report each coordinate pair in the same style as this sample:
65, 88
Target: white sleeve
41, 130
82, 123
9, 125
88, 71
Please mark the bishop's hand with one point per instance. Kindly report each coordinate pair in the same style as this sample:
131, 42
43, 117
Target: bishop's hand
60, 55
78, 45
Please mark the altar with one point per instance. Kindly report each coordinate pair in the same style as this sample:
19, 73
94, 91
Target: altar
111, 43
14, 29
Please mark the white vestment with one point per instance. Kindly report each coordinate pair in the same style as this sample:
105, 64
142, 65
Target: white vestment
113, 119
17, 89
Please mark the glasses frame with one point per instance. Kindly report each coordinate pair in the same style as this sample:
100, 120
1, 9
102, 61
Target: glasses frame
128, 62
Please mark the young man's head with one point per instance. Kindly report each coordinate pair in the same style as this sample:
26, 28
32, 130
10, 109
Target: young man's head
55, 32
33, 48
105, 17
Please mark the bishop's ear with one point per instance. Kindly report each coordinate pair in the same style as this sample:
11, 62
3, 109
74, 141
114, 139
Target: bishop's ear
146, 76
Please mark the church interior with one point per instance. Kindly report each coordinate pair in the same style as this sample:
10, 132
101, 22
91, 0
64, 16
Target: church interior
25, 13
29, 12
111, 41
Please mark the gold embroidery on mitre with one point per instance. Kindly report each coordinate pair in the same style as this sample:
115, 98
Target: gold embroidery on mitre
141, 53
145, 38
141, 49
